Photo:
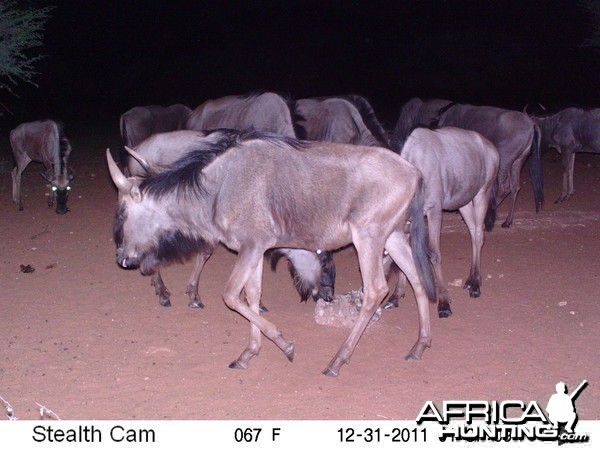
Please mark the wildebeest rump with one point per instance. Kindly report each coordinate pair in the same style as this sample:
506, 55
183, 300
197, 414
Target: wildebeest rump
459, 168
347, 119
252, 192
571, 131
44, 142
513, 133
141, 122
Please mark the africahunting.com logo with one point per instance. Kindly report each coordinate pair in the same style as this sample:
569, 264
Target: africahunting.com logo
510, 420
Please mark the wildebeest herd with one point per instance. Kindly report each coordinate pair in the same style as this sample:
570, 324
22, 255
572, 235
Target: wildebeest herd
262, 173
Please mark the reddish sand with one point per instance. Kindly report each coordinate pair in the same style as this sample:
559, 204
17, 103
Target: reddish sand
89, 341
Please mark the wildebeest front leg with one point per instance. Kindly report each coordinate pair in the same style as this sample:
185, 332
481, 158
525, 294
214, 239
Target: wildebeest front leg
247, 275
192, 288
327, 285
568, 162
164, 296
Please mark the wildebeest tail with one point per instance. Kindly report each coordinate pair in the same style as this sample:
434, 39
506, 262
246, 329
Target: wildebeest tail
535, 169
419, 242
490, 215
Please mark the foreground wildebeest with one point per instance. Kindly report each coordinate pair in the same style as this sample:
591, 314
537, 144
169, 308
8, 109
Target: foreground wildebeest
570, 131
313, 274
347, 120
513, 133
44, 142
459, 168
256, 191
141, 122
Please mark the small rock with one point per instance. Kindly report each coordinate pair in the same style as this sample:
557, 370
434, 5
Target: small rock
342, 311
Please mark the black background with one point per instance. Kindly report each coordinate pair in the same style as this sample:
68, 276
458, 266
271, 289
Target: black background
104, 57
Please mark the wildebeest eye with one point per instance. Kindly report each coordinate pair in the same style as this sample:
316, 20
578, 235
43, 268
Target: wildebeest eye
68, 188
54, 189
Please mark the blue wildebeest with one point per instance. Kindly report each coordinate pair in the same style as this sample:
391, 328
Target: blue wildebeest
44, 142
141, 122
255, 191
347, 120
266, 111
571, 131
513, 133
459, 168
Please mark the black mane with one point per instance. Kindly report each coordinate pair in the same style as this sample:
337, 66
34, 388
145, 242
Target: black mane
185, 174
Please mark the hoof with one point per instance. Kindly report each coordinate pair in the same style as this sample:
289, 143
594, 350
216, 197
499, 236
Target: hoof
474, 294
165, 302
506, 225
196, 304
290, 355
411, 357
263, 308
445, 312
330, 373
20, 208
237, 365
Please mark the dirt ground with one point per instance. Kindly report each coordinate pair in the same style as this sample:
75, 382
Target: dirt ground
89, 340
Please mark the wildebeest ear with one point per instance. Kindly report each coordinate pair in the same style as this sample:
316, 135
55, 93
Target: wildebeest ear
135, 193
47, 175
124, 185
71, 174
140, 159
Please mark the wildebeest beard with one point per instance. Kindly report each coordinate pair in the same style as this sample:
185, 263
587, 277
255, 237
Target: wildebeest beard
173, 246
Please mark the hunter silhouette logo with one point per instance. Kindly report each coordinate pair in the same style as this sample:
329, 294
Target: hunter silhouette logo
561, 410
508, 420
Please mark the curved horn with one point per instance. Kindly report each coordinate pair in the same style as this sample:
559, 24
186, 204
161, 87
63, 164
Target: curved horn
123, 184
140, 159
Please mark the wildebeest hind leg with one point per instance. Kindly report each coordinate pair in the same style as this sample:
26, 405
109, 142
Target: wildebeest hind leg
375, 288
247, 275
399, 249
434, 221
473, 214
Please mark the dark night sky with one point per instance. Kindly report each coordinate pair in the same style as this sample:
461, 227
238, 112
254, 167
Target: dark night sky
106, 56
